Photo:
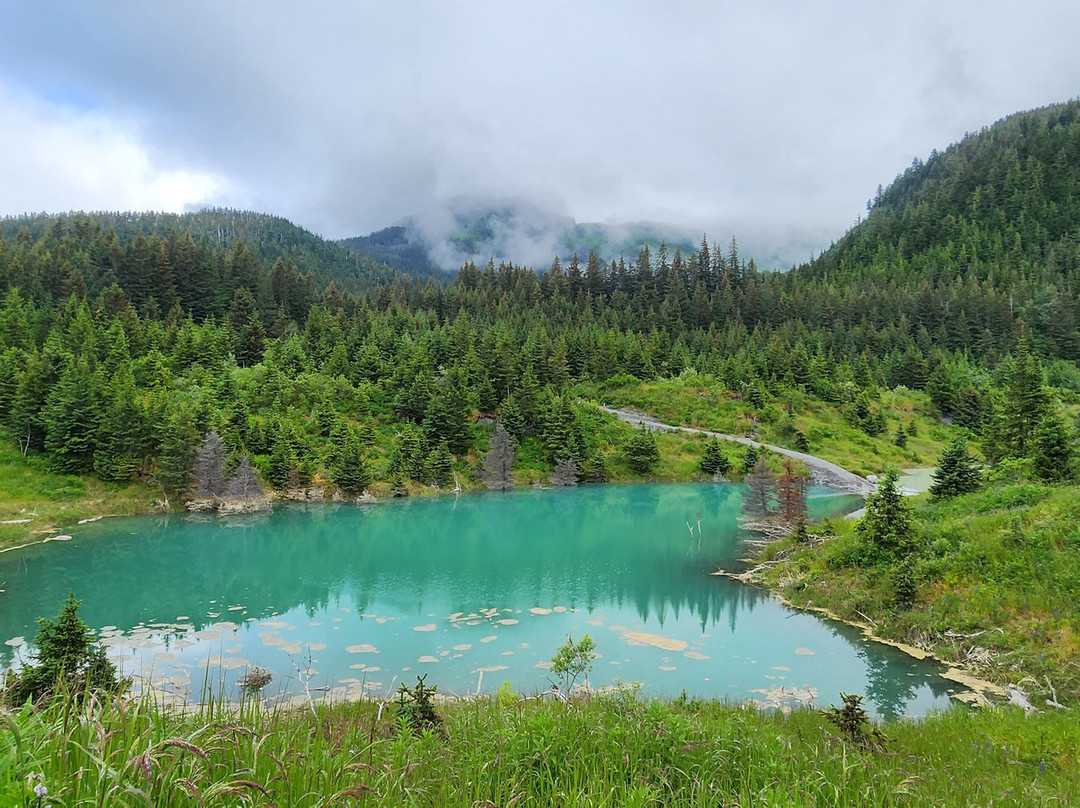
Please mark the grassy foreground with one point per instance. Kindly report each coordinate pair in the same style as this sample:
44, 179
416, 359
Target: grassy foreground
614, 750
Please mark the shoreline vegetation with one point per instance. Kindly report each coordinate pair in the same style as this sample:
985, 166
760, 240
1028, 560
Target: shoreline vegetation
979, 602
777, 564
36, 503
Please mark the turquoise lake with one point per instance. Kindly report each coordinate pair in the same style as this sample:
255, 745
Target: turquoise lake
475, 591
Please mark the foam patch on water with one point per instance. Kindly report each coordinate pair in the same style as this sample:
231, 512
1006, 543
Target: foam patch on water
362, 648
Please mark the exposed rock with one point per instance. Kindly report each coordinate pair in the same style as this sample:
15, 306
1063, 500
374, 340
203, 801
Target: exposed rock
252, 504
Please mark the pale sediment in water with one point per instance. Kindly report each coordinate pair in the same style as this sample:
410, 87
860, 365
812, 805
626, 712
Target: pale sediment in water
656, 640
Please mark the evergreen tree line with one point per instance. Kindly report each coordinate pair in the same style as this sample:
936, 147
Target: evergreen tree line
99, 387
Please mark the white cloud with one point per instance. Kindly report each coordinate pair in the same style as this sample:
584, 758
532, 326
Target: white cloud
58, 158
773, 120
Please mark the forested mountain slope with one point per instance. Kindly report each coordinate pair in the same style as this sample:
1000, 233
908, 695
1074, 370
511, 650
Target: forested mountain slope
978, 238
508, 231
196, 258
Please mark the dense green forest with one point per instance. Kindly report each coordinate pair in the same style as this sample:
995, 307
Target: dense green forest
124, 339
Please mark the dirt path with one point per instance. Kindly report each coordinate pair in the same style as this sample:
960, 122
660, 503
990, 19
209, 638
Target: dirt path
822, 472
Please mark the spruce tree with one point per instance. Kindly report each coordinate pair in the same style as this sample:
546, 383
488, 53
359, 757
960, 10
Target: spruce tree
176, 453
641, 452
449, 413
245, 327
1053, 455
121, 429
351, 470
957, 471
1028, 402
71, 417
750, 459
407, 459
439, 466
713, 459
514, 419
886, 528
66, 655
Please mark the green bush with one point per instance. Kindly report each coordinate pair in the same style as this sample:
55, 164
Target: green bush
67, 656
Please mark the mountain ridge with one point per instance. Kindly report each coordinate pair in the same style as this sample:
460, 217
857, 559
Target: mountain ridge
442, 240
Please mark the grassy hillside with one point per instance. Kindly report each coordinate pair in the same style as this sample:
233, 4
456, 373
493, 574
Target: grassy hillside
33, 500
997, 584
704, 402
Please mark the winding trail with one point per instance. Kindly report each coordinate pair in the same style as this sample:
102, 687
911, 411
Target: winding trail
822, 472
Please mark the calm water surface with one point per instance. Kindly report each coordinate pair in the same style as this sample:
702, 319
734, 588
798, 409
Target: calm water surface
475, 591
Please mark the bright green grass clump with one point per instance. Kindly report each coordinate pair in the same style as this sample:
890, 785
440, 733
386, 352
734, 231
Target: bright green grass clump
29, 491
610, 751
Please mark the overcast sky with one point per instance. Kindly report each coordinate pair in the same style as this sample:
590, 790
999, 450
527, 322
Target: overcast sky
773, 121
